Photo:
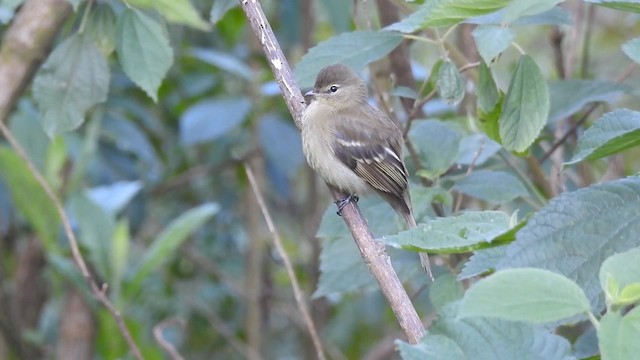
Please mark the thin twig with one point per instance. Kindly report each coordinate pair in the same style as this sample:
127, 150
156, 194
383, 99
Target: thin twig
98, 292
297, 292
164, 343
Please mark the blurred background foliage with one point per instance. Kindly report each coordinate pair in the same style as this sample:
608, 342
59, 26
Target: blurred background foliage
152, 177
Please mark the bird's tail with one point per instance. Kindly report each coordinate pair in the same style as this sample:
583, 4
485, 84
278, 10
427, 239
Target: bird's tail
424, 258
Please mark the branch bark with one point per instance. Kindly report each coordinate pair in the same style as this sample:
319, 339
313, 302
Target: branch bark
373, 252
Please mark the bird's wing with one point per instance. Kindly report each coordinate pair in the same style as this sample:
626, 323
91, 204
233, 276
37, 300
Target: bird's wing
374, 154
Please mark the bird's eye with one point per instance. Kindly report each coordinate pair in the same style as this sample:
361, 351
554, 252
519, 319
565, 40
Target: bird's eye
333, 88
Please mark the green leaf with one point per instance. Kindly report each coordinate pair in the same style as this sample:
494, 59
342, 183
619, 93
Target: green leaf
454, 234
101, 27
30, 199
624, 5
96, 231
281, 140
437, 13
491, 40
527, 294
553, 16
497, 187
444, 290
450, 84
405, 92
577, 230
483, 338
432, 347
623, 267
143, 50
632, 49
176, 11
436, 144
223, 61
74, 78
481, 262
197, 125
521, 8
570, 96
525, 108
166, 243
354, 49
27, 129
220, 8
630, 294
488, 93
618, 335
612, 133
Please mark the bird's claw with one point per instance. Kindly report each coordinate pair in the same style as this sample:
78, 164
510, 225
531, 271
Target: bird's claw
341, 203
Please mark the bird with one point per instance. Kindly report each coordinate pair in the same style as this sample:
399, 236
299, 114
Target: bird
354, 146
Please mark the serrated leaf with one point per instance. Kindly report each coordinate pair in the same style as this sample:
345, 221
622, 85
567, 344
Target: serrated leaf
176, 11
210, 119
432, 347
101, 27
525, 108
454, 234
623, 267
632, 49
437, 13
570, 96
450, 84
527, 294
74, 78
576, 231
491, 40
436, 144
488, 95
354, 49
612, 133
143, 50
490, 338
220, 8
166, 243
29, 198
482, 261
497, 187
618, 335
520, 8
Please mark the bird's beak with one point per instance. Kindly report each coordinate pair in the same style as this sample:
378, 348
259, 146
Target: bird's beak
309, 96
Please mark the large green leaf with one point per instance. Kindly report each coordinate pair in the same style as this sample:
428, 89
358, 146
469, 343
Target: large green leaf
569, 96
618, 335
532, 295
455, 234
355, 49
490, 338
74, 78
444, 13
612, 133
29, 198
482, 261
577, 231
166, 243
497, 187
521, 8
525, 108
177, 11
143, 50
209, 119
624, 5
488, 93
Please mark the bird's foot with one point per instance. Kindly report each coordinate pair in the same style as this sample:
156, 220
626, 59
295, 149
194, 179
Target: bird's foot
341, 203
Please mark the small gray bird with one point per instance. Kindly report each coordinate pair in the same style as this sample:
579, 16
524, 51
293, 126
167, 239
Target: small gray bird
354, 146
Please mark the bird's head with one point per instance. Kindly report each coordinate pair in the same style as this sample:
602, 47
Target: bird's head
337, 86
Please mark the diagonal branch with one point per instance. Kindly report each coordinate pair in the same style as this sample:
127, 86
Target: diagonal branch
373, 252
